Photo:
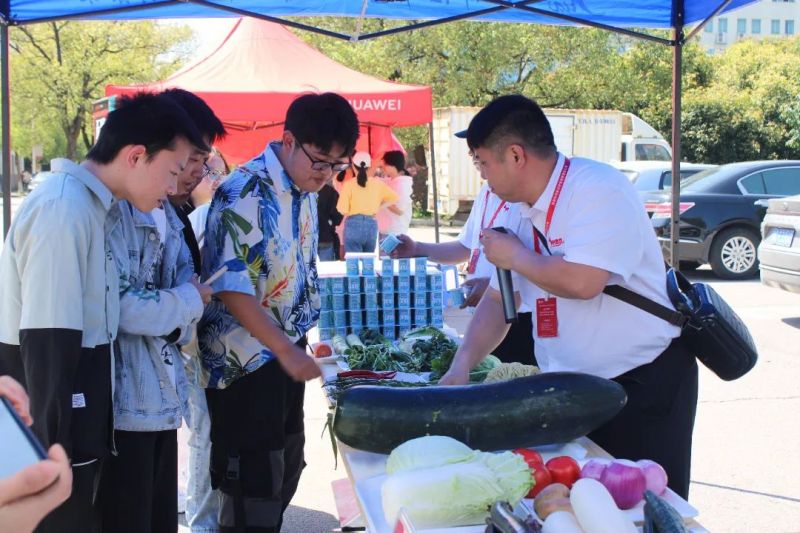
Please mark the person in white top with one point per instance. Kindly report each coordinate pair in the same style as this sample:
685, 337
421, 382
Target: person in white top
214, 171
487, 211
396, 218
583, 227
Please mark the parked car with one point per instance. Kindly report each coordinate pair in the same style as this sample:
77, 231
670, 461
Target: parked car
720, 219
656, 175
779, 251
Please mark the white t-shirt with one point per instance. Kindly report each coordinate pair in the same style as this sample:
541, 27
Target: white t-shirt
389, 222
600, 221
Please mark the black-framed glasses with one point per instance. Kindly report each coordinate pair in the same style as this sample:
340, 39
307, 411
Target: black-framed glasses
211, 173
320, 166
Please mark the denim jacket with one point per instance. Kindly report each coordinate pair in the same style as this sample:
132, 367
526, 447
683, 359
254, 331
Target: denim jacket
158, 310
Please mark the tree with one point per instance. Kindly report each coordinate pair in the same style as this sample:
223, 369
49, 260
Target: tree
59, 68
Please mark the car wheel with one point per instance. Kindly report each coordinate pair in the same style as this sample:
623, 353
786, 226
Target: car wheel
734, 253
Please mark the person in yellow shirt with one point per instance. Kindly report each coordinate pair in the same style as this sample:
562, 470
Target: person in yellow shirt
359, 200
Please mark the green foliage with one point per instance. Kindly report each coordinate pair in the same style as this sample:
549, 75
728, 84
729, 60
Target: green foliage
59, 68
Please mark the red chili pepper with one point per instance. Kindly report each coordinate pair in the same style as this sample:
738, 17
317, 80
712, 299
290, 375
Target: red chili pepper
368, 374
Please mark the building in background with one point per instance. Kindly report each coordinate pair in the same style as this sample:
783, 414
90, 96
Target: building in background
759, 20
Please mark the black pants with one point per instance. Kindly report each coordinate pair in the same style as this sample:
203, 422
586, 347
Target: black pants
78, 514
658, 419
139, 487
517, 346
257, 439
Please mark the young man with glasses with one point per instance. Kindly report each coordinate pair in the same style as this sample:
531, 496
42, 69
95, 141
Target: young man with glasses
262, 227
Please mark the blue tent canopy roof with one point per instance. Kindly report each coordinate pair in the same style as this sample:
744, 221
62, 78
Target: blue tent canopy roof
616, 13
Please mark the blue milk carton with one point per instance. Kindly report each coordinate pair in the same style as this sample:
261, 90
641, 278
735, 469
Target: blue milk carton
402, 330
403, 300
340, 319
403, 284
436, 299
326, 319
420, 317
326, 334
387, 317
337, 285
387, 266
338, 302
390, 332
387, 284
356, 320
387, 301
341, 330
370, 300
404, 267
436, 282
420, 265
437, 317
324, 286
420, 282
367, 266
420, 299
351, 264
404, 318
354, 302
370, 284
325, 303
373, 320
353, 285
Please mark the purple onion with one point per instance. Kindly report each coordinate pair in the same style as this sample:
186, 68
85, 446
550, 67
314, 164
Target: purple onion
625, 481
593, 469
655, 476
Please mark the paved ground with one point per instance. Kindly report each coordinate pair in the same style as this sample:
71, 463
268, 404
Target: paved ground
746, 462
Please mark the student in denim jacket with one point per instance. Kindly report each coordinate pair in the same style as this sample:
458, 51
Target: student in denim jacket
161, 300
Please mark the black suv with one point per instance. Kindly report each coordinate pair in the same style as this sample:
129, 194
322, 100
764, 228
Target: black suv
720, 218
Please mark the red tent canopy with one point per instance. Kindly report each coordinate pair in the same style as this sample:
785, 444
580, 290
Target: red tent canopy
252, 77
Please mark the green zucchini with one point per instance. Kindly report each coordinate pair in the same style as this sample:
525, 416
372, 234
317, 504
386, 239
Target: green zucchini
661, 517
542, 409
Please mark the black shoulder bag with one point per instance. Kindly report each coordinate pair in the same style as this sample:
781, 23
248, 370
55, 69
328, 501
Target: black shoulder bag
709, 327
711, 330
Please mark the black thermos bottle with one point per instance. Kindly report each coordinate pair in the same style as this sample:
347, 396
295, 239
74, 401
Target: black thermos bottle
506, 290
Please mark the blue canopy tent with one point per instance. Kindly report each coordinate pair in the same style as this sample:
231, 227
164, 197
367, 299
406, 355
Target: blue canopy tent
622, 16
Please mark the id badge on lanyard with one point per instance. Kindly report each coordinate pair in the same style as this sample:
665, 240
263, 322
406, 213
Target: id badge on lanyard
476, 252
546, 317
547, 308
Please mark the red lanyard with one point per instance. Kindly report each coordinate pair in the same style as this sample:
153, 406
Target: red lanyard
494, 216
552, 208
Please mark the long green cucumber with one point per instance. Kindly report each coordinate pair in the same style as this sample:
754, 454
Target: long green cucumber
543, 409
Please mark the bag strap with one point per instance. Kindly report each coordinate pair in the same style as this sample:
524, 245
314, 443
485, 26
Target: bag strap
647, 305
675, 318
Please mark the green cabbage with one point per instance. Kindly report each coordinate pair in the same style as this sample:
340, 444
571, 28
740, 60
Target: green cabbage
480, 371
442, 482
451, 495
427, 452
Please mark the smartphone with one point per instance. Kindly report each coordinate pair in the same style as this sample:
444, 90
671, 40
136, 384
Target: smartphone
19, 447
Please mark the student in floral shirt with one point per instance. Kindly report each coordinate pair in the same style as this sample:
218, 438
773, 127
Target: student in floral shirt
262, 226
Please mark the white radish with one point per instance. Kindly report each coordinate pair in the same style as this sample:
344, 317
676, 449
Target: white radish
595, 509
561, 522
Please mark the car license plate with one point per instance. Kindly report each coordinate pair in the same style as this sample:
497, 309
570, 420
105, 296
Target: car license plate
782, 236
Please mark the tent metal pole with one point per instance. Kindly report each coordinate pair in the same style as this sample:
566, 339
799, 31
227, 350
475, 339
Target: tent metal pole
5, 109
700, 26
677, 64
435, 190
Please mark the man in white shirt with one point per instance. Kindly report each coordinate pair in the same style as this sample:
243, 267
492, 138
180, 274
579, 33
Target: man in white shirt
582, 227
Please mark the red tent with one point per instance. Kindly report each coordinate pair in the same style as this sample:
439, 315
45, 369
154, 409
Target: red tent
252, 77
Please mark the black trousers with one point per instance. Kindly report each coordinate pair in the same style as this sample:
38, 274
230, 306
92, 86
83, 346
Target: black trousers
78, 514
257, 439
139, 487
517, 346
658, 419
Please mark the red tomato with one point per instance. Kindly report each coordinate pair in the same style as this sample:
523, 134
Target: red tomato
531, 457
564, 470
541, 478
323, 350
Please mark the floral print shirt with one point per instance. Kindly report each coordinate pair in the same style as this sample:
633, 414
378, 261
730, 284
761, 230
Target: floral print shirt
264, 229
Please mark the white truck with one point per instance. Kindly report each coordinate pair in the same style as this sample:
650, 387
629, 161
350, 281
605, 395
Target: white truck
608, 136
